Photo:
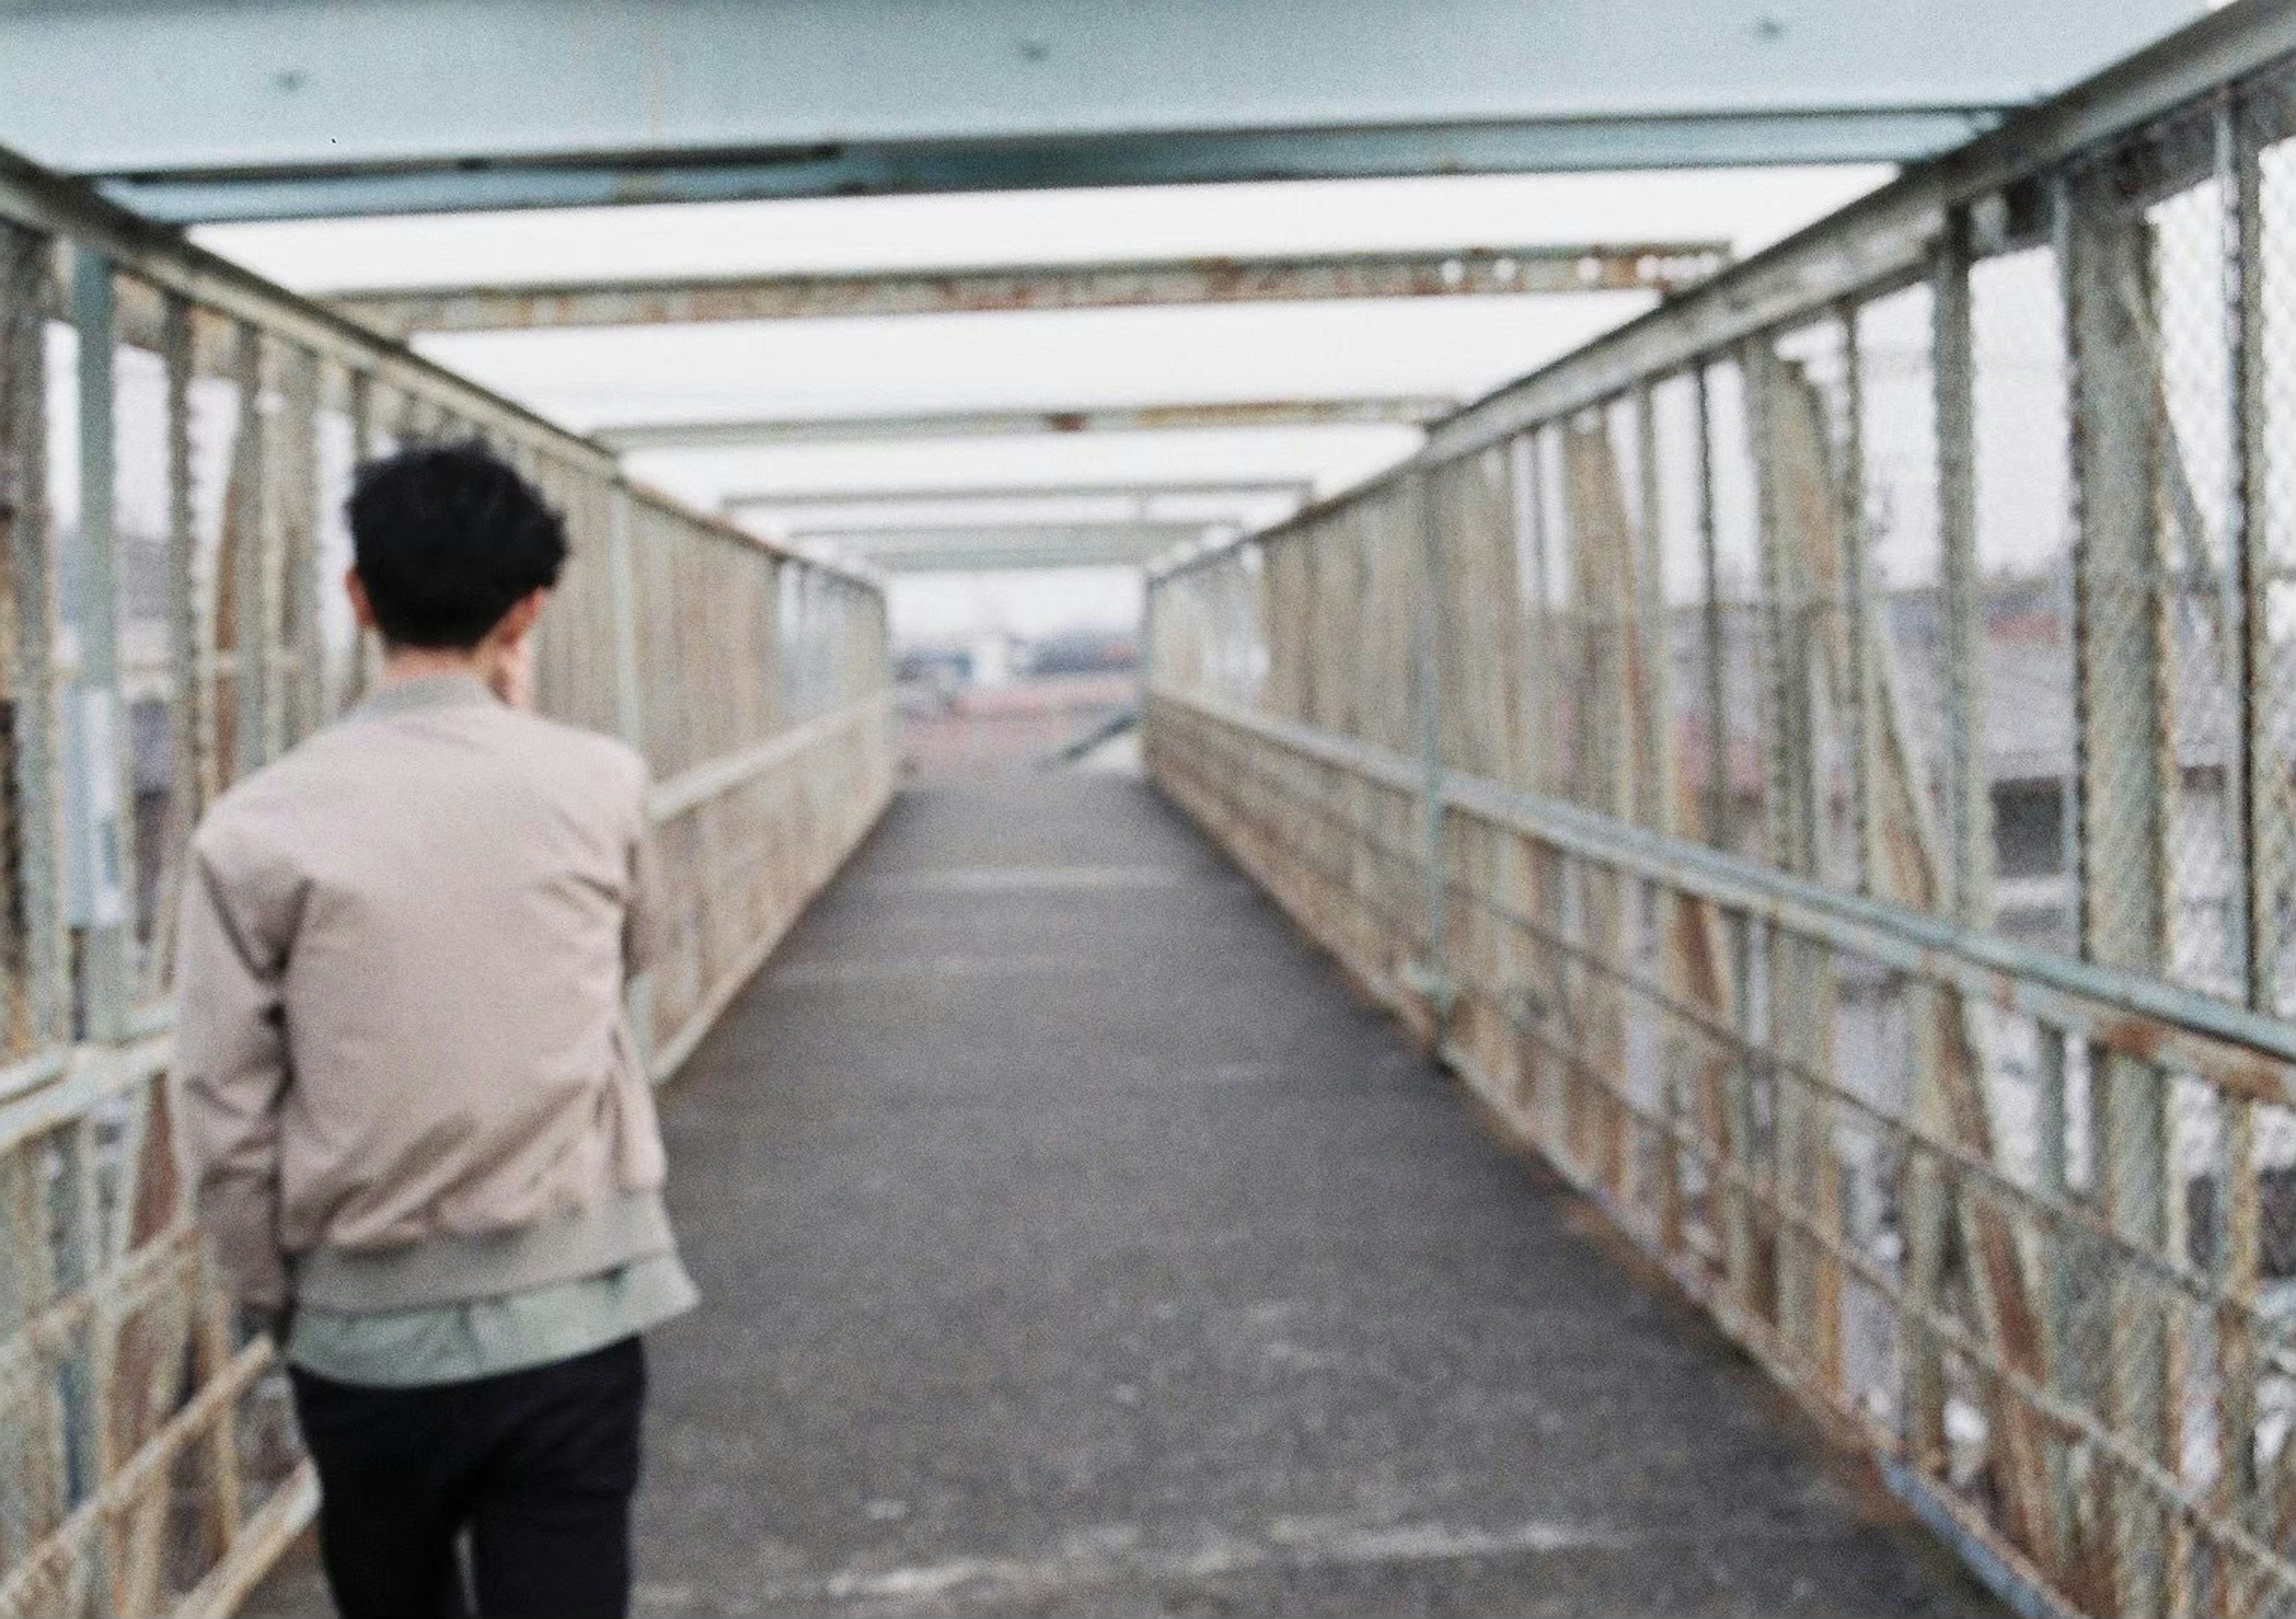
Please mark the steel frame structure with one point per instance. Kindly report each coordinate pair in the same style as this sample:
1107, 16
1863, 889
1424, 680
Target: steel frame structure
1640, 743
394, 106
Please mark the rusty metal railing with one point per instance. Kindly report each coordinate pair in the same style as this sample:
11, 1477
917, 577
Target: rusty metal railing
176, 438
1819, 762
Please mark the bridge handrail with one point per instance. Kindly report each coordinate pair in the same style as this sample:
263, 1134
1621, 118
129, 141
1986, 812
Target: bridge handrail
176, 439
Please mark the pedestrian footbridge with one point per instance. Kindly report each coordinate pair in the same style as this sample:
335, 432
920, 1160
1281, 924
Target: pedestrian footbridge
1693, 1010
1075, 1241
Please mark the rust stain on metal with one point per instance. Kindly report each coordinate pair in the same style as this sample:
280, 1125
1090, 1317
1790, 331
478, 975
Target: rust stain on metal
1470, 271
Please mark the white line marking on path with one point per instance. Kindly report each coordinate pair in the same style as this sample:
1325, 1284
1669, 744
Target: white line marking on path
1112, 1554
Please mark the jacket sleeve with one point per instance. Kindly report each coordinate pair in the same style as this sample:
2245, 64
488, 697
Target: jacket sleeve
229, 1078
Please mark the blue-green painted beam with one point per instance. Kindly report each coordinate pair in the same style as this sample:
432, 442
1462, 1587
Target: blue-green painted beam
478, 186
218, 109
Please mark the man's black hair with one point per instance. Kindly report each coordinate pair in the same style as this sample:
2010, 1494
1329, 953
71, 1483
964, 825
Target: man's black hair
447, 539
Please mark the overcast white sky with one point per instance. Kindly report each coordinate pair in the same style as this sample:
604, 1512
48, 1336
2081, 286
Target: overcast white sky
1456, 348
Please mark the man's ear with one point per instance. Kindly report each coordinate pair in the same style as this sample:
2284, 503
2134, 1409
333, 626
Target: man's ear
517, 622
362, 609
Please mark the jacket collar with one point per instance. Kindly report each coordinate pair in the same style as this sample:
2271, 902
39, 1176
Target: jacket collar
428, 691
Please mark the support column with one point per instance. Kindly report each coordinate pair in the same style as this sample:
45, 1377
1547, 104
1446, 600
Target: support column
2120, 659
1427, 644
621, 585
40, 1007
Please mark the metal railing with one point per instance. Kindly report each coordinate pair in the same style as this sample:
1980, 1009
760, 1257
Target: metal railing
1819, 762
176, 438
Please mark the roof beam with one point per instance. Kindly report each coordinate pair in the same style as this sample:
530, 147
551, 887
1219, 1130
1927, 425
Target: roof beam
243, 195
1660, 266
1013, 559
1004, 545
873, 541
1298, 490
1404, 411
309, 106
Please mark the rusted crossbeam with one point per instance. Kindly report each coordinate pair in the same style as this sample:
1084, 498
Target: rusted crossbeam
1470, 271
1297, 490
980, 546
1408, 411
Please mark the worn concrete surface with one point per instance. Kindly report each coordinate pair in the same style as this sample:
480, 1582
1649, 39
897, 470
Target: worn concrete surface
1073, 1243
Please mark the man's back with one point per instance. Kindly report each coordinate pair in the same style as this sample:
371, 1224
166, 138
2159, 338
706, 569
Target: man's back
439, 892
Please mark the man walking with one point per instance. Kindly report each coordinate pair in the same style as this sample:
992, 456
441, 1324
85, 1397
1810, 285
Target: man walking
409, 1103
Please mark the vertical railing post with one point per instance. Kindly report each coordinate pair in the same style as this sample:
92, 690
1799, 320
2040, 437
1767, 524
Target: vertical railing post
2260, 777
630, 709
1731, 1126
1540, 762
1937, 1193
302, 706
1655, 749
1968, 818
1790, 450
101, 857
1145, 675
622, 587
1660, 806
2061, 1294
2054, 1123
1790, 791
1788, 830
250, 593
366, 649
33, 745
1542, 1002
186, 687
1957, 881
1427, 644
1720, 832
2120, 705
1861, 693
2264, 755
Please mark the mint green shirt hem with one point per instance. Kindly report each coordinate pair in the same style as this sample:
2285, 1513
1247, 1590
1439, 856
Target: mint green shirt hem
456, 1343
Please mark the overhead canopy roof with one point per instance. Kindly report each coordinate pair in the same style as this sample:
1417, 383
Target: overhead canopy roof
220, 108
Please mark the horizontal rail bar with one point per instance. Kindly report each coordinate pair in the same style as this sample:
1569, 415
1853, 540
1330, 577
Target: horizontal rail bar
86, 1074
2246, 1052
682, 792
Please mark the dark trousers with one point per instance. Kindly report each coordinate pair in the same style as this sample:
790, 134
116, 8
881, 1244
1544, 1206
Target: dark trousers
537, 1466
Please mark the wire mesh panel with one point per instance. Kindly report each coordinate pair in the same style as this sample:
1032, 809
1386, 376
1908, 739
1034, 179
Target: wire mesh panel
176, 442
1839, 808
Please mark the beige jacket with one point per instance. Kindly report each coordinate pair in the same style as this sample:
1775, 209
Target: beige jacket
403, 1075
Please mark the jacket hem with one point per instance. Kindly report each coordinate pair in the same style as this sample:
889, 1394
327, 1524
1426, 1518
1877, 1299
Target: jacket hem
451, 1269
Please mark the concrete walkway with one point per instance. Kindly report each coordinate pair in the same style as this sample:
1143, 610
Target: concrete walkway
1073, 1243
